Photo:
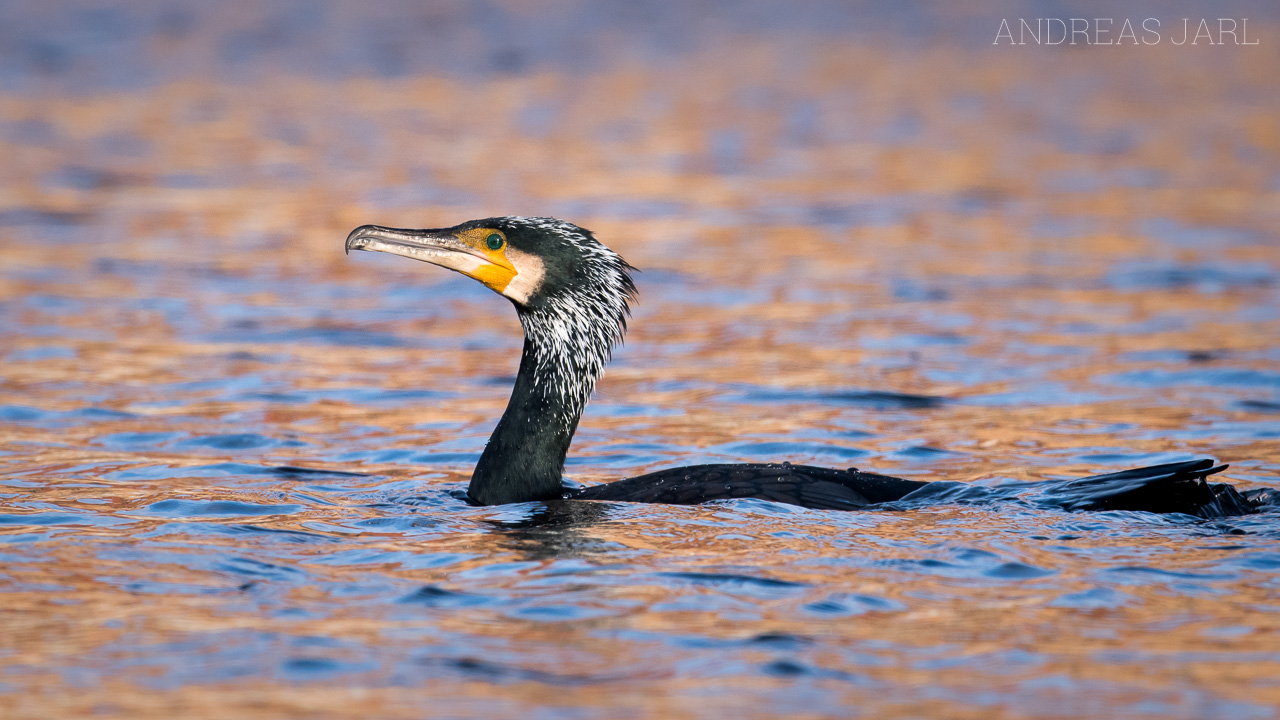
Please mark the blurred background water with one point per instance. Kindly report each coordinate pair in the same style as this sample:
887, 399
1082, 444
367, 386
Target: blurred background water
868, 237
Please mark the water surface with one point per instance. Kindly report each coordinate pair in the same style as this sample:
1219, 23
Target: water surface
905, 251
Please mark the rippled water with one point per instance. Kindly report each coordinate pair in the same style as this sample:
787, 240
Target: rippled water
867, 238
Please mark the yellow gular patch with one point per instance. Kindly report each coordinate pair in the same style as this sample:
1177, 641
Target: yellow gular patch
495, 270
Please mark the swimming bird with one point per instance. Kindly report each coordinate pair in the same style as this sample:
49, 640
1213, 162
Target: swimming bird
573, 295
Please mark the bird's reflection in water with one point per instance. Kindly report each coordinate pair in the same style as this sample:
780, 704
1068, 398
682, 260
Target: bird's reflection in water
555, 529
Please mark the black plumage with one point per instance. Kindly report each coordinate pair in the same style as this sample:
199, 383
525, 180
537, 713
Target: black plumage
813, 487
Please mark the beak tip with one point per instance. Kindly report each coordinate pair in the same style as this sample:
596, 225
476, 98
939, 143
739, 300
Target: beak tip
355, 240
416, 244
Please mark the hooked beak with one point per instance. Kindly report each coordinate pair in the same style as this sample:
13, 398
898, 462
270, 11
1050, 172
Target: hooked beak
438, 247
427, 245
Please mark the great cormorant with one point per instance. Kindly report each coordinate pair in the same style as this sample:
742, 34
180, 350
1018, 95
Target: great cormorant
572, 296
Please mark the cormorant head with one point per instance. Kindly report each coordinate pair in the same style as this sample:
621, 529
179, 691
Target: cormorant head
556, 273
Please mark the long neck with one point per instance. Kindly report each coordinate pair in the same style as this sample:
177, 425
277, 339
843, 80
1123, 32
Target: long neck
524, 460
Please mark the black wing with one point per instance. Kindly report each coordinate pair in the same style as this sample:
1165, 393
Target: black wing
803, 485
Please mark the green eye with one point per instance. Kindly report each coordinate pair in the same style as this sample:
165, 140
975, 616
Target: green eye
494, 241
